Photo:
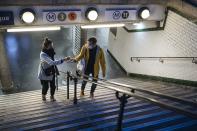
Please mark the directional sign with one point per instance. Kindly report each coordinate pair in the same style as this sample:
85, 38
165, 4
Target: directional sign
48, 15
51, 17
72, 16
6, 18
125, 14
120, 14
116, 15
62, 16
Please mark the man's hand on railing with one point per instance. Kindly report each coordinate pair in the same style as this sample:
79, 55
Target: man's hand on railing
73, 60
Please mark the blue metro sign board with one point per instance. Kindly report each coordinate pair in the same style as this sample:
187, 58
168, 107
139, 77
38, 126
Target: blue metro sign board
6, 18
120, 14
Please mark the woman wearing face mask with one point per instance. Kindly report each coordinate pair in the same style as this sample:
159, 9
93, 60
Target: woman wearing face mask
47, 68
93, 56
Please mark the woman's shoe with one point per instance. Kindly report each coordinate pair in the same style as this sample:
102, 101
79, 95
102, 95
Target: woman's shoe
92, 95
52, 98
82, 93
44, 98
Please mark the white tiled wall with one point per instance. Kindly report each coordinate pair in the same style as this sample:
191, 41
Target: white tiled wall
179, 38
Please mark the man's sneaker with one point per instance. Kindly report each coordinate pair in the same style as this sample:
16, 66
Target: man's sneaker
92, 95
44, 98
82, 93
52, 98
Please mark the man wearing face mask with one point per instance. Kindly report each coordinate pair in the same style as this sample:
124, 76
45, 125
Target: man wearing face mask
92, 55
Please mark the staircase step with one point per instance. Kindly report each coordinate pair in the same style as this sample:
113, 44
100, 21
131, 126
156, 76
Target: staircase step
26, 110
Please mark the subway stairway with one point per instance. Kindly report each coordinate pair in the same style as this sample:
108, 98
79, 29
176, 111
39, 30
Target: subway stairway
26, 110
149, 34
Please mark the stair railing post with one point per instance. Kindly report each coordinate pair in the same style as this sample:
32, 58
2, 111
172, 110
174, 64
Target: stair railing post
68, 83
123, 101
75, 90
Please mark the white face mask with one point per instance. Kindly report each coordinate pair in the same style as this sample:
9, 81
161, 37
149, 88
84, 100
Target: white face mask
91, 46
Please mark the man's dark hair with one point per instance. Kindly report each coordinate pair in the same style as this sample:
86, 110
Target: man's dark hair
93, 40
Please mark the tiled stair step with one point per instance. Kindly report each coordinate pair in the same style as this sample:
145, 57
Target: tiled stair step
92, 122
37, 100
98, 114
35, 113
172, 102
37, 107
141, 121
87, 118
26, 95
179, 92
153, 86
60, 95
66, 114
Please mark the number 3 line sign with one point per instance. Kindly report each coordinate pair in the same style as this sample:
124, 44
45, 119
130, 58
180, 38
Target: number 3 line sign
61, 16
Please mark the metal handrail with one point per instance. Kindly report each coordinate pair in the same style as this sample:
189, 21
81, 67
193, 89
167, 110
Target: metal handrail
161, 59
144, 90
156, 93
191, 114
166, 57
136, 89
102, 84
126, 95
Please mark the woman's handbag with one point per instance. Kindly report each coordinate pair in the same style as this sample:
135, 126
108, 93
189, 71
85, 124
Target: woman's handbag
48, 71
81, 66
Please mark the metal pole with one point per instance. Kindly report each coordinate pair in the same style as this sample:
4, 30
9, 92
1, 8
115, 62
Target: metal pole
123, 101
75, 90
68, 80
122, 105
56, 81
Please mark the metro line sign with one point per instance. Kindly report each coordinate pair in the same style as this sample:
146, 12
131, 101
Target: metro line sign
51, 17
76, 15
6, 18
120, 14
62, 16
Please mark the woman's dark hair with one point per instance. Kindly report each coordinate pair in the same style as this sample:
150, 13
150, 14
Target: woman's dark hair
93, 40
46, 43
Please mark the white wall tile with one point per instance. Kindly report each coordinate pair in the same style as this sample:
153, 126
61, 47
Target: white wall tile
179, 38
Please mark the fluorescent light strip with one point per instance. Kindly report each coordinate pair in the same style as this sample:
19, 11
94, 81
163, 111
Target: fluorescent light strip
102, 26
25, 29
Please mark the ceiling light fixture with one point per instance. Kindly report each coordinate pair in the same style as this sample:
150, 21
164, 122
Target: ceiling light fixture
102, 26
27, 15
30, 29
91, 14
144, 13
